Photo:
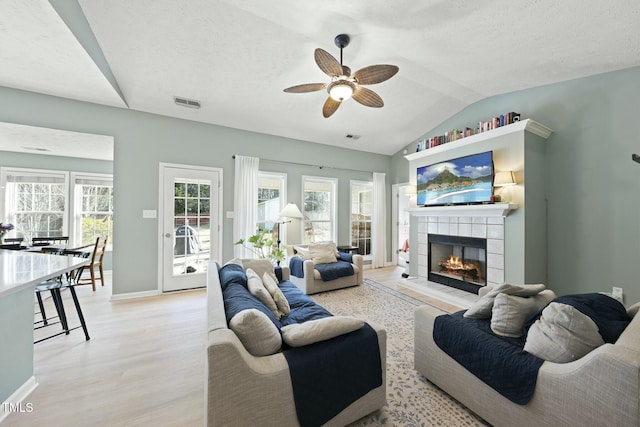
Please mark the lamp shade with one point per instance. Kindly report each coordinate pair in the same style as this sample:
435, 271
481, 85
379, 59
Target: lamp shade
291, 211
341, 90
502, 179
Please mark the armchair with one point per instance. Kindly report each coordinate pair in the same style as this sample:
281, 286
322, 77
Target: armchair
304, 260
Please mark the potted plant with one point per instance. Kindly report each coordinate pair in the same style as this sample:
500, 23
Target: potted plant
264, 246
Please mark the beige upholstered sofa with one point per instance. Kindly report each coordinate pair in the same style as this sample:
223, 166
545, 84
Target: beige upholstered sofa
246, 390
599, 389
311, 282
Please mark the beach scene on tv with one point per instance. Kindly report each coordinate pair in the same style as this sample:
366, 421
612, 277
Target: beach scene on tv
465, 180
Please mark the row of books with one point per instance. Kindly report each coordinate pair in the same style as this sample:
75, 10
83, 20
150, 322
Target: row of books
455, 134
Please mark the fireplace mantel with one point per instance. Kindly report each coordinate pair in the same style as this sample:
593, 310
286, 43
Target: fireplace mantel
494, 210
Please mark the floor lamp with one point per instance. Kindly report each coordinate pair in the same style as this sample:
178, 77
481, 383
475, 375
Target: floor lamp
290, 211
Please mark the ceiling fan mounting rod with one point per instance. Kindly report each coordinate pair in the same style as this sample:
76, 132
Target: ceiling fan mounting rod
342, 41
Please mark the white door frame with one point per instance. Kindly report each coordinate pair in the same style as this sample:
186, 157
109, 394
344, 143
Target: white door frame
161, 169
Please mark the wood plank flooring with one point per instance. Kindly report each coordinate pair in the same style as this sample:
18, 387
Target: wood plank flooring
144, 364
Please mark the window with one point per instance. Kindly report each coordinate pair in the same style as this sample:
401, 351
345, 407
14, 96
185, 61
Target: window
45, 203
361, 208
319, 208
93, 208
271, 198
36, 202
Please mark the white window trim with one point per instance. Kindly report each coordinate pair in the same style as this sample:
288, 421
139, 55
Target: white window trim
334, 203
352, 183
75, 203
7, 216
283, 196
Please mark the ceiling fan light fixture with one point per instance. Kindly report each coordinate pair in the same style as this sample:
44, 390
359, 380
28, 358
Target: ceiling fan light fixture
341, 90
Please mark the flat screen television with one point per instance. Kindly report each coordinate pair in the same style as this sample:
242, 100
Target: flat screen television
463, 181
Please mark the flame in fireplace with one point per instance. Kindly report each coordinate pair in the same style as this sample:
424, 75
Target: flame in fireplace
454, 263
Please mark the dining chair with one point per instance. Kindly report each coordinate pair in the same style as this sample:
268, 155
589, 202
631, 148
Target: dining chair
11, 246
13, 240
55, 286
54, 240
96, 262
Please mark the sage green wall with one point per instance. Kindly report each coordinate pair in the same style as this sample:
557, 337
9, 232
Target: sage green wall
69, 164
144, 140
16, 341
592, 185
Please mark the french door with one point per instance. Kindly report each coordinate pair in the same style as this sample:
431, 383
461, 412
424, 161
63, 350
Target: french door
189, 224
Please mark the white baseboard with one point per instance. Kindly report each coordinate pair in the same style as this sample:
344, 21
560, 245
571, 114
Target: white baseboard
133, 295
18, 397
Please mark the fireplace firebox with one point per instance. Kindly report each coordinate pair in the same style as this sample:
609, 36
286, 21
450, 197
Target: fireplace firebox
459, 262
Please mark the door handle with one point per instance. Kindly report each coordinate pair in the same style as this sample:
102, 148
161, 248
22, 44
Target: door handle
167, 235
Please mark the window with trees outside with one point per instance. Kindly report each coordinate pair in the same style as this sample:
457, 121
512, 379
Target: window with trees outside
319, 208
36, 202
361, 209
93, 213
47, 203
271, 199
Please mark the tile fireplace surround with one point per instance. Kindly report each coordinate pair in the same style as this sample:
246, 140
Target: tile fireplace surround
480, 221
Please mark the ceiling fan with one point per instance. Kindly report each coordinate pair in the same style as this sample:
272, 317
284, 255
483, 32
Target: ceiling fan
344, 84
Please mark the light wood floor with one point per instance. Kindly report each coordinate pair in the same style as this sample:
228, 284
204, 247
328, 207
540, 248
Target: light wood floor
144, 364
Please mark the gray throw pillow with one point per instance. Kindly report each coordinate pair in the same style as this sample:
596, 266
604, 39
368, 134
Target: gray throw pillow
510, 312
562, 334
256, 332
311, 331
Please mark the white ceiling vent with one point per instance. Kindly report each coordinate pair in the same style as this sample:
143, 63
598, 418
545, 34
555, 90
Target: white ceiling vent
189, 103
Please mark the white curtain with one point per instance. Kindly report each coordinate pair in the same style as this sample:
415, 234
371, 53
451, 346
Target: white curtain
379, 222
245, 202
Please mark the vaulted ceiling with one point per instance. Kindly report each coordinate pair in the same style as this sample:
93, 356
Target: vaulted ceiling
236, 57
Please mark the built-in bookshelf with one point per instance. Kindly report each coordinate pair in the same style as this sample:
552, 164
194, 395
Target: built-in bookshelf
456, 134
528, 125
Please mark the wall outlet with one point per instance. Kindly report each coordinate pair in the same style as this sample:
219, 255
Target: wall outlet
148, 214
617, 294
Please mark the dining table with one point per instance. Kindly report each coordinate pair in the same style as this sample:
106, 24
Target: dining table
20, 271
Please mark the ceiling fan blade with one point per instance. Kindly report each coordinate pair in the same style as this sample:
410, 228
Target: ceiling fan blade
375, 74
330, 107
327, 63
309, 87
367, 97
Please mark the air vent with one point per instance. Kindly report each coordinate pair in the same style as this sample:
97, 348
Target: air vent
184, 102
350, 136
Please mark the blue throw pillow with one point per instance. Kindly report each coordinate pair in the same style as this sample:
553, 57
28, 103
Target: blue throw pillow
343, 256
232, 273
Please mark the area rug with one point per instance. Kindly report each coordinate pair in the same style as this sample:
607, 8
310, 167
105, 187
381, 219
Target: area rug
411, 399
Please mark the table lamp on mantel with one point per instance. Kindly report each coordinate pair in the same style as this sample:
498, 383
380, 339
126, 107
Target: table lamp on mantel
500, 180
290, 211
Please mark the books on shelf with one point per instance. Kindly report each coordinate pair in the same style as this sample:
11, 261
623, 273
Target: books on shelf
455, 134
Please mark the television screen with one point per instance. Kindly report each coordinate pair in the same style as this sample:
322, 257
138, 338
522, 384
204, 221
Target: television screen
465, 180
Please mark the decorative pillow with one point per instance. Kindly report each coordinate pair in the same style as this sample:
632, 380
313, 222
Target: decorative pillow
232, 273
562, 334
322, 253
302, 252
258, 290
260, 266
256, 332
299, 334
510, 312
481, 309
276, 294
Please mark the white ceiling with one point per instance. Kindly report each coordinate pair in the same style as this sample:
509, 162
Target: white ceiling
236, 57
